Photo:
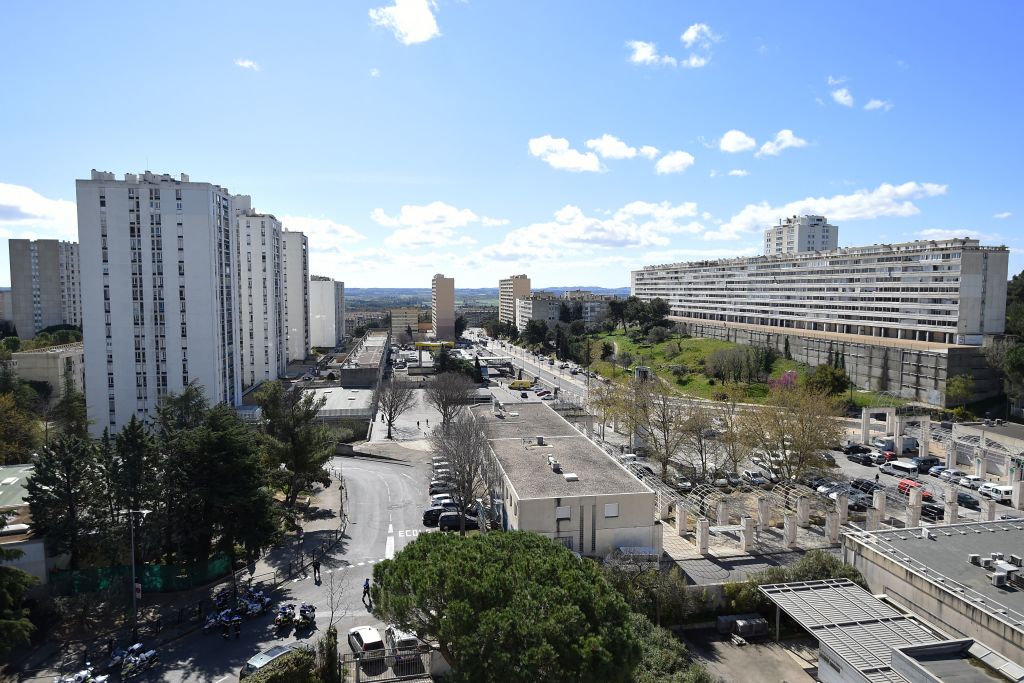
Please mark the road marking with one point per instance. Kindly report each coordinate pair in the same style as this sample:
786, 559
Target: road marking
389, 547
360, 564
391, 529
220, 680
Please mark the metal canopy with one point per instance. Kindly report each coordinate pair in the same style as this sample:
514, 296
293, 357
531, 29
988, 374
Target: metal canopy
858, 627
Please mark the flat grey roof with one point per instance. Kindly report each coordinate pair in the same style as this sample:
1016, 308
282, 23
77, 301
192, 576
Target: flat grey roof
513, 438
1010, 430
944, 556
12, 484
851, 622
370, 351
342, 398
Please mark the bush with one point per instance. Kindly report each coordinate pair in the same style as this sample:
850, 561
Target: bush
664, 658
294, 667
744, 596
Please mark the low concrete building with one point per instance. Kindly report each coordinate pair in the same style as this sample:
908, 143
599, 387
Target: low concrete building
6, 306
539, 306
963, 578
558, 483
364, 366
55, 365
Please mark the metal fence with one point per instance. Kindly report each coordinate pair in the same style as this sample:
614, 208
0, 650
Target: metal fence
381, 666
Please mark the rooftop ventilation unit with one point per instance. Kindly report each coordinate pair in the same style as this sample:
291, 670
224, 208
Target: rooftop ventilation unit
974, 558
997, 556
555, 465
986, 562
540, 440
1017, 560
999, 579
571, 476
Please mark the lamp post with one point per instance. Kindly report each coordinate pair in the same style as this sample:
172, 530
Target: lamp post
135, 591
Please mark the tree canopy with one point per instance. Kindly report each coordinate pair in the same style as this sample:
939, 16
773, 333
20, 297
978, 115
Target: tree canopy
508, 606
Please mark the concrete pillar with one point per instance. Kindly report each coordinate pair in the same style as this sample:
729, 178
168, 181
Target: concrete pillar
950, 456
762, 512
872, 521
890, 421
897, 436
702, 536
1017, 495
803, 512
721, 514
682, 519
865, 425
843, 506
988, 509
878, 502
916, 494
913, 516
832, 527
952, 511
979, 461
924, 442
747, 534
789, 529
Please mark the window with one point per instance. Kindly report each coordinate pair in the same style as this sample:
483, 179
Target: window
563, 512
611, 509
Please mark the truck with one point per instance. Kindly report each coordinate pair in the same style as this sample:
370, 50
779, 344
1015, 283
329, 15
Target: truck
519, 384
888, 443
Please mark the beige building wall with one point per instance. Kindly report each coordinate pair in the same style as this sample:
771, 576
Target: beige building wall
510, 289
442, 307
53, 365
45, 288
402, 319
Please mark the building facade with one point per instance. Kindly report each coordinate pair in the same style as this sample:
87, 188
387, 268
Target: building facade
45, 285
539, 306
509, 289
60, 366
404, 320
5, 304
801, 233
593, 307
295, 276
159, 304
326, 312
261, 332
442, 307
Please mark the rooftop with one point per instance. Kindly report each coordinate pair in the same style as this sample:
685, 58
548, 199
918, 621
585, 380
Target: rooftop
12, 485
73, 347
1009, 430
513, 437
340, 398
370, 351
942, 559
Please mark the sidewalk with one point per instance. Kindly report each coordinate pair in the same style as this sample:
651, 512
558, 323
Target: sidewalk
166, 617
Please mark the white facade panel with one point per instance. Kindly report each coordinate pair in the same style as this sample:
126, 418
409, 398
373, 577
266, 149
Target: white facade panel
295, 270
326, 312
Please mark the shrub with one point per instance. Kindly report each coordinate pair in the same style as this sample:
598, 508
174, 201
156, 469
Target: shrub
294, 667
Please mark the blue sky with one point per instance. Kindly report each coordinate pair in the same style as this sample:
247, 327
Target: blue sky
573, 141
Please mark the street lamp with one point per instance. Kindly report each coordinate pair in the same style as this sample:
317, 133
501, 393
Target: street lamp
135, 586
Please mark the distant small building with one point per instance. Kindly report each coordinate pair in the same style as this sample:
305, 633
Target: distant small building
364, 366
476, 315
54, 365
404, 320
538, 306
509, 289
442, 307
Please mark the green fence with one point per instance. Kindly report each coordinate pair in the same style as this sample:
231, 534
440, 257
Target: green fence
159, 578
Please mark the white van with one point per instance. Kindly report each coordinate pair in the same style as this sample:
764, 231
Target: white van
1000, 493
899, 468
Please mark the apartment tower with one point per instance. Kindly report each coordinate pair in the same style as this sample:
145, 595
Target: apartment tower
442, 307
45, 285
295, 277
509, 289
326, 312
801, 233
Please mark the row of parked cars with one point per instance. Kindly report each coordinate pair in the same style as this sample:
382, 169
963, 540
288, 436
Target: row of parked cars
443, 512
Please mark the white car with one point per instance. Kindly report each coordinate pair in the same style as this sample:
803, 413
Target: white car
364, 640
971, 481
754, 477
403, 646
952, 475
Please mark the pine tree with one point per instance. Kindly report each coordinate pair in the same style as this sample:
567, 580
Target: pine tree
785, 350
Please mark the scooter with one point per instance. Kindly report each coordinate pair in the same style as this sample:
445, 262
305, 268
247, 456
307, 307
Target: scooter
83, 676
307, 616
136, 664
285, 616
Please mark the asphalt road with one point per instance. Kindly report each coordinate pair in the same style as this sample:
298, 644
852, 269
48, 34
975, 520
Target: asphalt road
385, 502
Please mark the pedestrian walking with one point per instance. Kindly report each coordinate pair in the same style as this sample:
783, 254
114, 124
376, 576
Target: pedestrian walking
428, 423
316, 570
366, 589
417, 424
876, 477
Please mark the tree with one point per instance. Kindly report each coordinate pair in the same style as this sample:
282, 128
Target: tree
617, 312
12, 344
959, 389
786, 353
448, 393
657, 334
408, 333
607, 350
460, 326
395, 397
564, 313
70, 414
701, 450
19, 433
60, 496
510, 606
327, 653
664, 658
535, 332
656, 414
15, 626
478, 373
464, 446
734, 448
294, 437
828, 380
605, 398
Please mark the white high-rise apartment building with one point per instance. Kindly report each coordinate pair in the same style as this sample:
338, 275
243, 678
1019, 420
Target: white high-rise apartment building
509, 289
801, 233
295, 275
45, 285
159, 303
326, 312
261, 331
442, 307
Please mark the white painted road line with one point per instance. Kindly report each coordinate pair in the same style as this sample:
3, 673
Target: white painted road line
389, 547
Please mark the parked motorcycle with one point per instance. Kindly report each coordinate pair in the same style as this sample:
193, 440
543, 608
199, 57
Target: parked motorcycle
217, 620
307, 616
285, 616
83, 676
257, 597
137, 663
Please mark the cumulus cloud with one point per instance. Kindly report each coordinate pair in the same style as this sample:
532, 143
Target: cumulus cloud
433, 215
557, 154
674, 162
872, 105
736, 141
649, 152
694, 61
489, 222
374, 72
24, 213
323, 233
698, 34
953, 233
412, 21
247, 64
647, 53
842, 96
739, 172
784, 139
884, 200
1002, 215
832, 80
610, 147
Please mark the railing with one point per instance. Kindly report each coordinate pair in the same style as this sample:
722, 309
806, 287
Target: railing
381, 666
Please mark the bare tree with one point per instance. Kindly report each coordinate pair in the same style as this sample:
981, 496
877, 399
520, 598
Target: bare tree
448, 393
701, 449
395, 397
336, 599
606, 399
655, 412
735, 449
464, 445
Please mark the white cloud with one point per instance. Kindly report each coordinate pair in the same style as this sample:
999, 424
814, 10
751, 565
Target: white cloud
842, 96
24, 213
432, 215
374, 72
489, 222
674, 162
872, 105
557, 154
412, 21
1002, 215
323, 233
736, 141
247, 64
832, 80
647, 53
694, 61
649, 152
739, 172
699, 34
953, 233
784, 139
610, 147
884, 200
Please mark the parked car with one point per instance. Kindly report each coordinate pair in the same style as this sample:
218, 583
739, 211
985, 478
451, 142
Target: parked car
998, 493
826, 486
439, 487
264, 658
449, 521
403, 647
681, 483
936, 470
924, 463
726, 480
828, 457
932, 511
968, 501
866, 486
364, 639
879, 457
860, 458
952, 475
855, 449
906, 484
754, 477
813, 482
547, 397
971, 481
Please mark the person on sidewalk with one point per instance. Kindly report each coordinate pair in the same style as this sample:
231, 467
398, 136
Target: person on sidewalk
316, 570
366, 590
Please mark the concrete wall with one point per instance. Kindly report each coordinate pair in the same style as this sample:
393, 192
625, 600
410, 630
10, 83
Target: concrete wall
932, 603
53, 365
914, 374
34, 559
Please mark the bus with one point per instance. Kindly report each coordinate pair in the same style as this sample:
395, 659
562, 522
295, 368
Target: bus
520, 384
435, 345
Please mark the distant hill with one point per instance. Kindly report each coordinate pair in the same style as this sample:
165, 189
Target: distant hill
386, 297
